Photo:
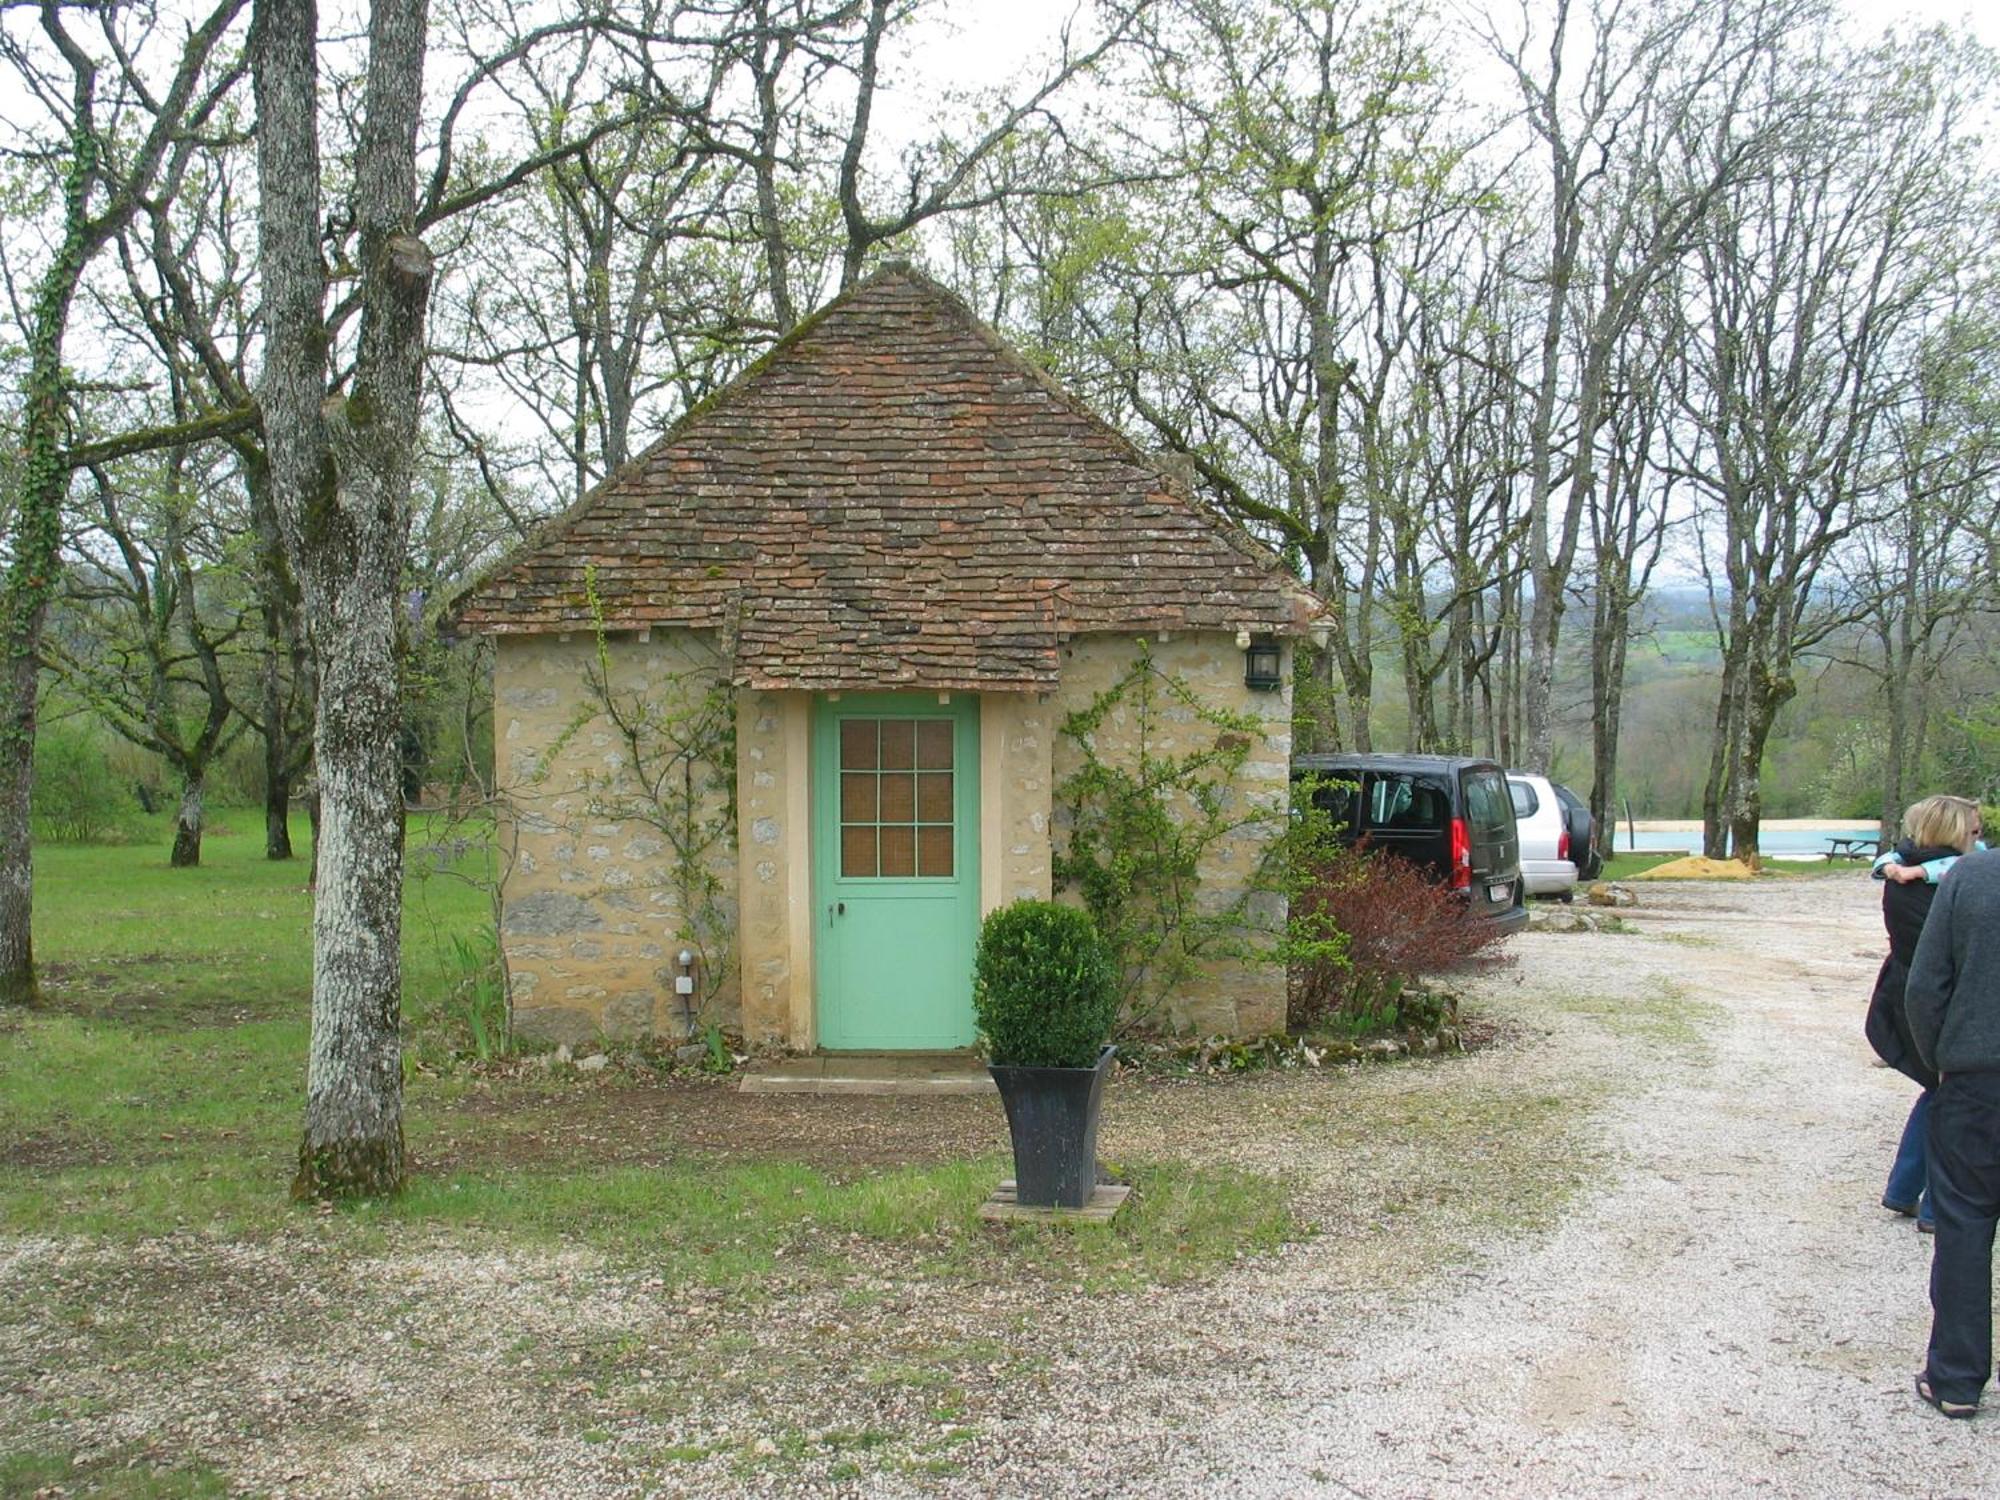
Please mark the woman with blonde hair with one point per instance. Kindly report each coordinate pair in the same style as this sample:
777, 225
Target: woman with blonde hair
1936, 832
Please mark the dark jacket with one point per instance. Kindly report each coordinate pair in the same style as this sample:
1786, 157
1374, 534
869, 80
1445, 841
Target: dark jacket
1952, 997
1904, 907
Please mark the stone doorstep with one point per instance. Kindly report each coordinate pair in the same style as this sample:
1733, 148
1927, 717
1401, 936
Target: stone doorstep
874, 1073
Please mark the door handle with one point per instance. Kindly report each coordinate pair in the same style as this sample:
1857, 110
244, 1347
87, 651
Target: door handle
838, 909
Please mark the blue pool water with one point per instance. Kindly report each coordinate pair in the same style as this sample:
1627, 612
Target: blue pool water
1770, 841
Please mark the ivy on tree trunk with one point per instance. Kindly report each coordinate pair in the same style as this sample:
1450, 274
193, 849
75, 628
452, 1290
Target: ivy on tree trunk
32, 569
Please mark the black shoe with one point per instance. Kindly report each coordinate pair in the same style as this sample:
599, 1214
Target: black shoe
1926, 1226
1957, 1410
1907, 1210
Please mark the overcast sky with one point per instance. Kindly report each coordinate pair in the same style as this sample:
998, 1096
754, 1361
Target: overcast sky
988, 44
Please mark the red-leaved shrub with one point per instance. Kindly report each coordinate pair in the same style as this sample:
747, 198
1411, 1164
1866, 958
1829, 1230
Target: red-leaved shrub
1400, 929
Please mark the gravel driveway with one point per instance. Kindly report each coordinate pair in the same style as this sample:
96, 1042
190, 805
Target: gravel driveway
1697, 1294
1723, 1312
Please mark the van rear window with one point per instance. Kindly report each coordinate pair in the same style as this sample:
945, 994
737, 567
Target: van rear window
1338, 796
1415, 803
1486, 804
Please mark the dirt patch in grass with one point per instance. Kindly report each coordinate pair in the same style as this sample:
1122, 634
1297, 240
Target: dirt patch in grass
42, 1152
627, 1123
159, 992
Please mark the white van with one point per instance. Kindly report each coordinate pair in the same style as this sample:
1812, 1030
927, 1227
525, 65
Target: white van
1547, 865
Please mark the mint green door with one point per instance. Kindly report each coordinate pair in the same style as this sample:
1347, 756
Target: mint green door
895, 801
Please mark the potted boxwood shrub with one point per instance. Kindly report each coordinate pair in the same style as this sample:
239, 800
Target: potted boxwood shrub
1045, 993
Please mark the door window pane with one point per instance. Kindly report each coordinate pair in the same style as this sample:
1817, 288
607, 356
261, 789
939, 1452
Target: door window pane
899, 797
1487, 802
896, 820
857, 852
857, 797
1400, 801
857, 745
899, 851
934, 744
934, 797
933, 851
899, 744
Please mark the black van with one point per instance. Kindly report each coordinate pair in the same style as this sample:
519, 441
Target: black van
1449, 815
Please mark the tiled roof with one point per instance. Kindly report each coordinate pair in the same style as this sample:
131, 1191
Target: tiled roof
891, 497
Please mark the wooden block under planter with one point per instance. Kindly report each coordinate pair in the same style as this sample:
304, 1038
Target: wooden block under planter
1105, 1200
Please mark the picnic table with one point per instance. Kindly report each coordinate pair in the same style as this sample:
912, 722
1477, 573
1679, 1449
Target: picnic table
1866, 847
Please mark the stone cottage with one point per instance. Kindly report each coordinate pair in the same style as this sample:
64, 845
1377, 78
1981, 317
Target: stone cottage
778, 706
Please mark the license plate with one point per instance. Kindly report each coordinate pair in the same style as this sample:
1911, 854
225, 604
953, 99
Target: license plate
1500, 892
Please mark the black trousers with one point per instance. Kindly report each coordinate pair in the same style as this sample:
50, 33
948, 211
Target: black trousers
1965, 1201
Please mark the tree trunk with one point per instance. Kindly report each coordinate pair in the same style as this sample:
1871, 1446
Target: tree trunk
1768, 693
767, 61
1507, 732
277, 799
1537, 745
1607, 694
32, 569
187, 826
313, 822
341, 477
277, 602
17, 876
354, 1113
1894, 699
1714, 835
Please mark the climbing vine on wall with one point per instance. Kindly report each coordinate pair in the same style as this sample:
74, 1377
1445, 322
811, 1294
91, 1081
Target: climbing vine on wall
677, 777
1152, 804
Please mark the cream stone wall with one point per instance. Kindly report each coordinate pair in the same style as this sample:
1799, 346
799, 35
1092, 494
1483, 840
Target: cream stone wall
1228, 996
774, 819
590, 920
1016, 733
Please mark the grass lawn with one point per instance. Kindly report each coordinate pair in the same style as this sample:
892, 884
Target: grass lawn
161, 1085
641, 1271
1625, 866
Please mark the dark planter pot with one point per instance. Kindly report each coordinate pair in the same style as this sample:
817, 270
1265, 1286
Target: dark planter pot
1052, 1116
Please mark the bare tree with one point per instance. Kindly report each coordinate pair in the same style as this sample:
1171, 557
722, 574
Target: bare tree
1629, 517
946, 178
1268, 301
188, 302
1638, 148
115, 134
150, 629
1916, 569
341, 468
632, 245
1806, 322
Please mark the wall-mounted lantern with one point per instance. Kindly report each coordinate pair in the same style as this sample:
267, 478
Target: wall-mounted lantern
1262, 663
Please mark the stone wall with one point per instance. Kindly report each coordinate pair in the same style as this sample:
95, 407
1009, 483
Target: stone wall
1225, 996
1016, 734
773, 782
590, 919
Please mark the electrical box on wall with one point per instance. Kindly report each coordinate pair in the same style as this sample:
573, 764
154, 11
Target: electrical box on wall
683, 984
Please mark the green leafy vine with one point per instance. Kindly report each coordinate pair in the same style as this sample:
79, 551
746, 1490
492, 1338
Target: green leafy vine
678, 778
1151, 807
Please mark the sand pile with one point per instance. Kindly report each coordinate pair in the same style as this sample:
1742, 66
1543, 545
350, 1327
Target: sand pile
1697, 867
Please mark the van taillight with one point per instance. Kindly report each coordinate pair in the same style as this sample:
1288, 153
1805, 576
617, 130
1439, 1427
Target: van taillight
1562, 845
1461, 855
